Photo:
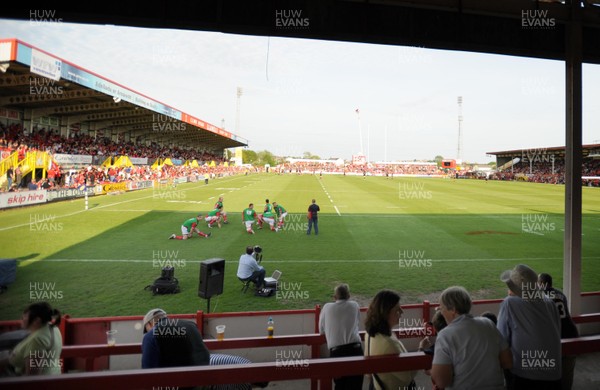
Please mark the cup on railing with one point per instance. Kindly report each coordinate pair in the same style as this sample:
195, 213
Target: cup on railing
220, 332
111, 338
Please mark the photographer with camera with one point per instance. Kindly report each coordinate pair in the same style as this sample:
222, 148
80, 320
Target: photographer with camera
249, 269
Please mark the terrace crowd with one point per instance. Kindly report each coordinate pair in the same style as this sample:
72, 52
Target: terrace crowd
13, 138
414, 168
545, 172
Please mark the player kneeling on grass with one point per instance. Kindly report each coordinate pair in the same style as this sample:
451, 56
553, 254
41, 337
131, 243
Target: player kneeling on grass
269, 218
248, 218
213, 217
281, 214
219, 205
188, 229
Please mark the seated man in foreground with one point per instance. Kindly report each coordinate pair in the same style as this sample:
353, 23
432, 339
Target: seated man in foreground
249, 269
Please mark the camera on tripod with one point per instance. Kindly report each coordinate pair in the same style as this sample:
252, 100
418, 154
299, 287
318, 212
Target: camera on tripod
257, 253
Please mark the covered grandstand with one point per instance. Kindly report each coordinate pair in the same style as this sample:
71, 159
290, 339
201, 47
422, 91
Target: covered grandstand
546, 164
39, 89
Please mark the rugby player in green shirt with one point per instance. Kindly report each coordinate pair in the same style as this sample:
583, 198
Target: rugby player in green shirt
188, 228
248, 217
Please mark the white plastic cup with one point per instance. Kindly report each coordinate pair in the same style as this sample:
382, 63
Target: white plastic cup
220, 332
111, 338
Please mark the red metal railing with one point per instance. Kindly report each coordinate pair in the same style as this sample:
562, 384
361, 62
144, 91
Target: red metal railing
318, 369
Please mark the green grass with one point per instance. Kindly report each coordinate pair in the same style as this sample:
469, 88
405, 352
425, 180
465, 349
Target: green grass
417, 236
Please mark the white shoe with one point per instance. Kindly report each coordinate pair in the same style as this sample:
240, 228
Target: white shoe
172, 236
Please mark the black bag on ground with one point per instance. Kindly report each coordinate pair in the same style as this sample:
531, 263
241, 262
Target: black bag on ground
166, 284
265, 292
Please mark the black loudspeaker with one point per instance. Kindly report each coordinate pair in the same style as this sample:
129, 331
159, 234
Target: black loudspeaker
212, 275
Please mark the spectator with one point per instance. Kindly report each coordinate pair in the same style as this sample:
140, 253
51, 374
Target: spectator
568, 329
313, 217
438, 322
530, 324
10, 175
171, 342
339, 322
18, 177
470, 353
32, 186
383, 314
249, 269
38, 353
490, 316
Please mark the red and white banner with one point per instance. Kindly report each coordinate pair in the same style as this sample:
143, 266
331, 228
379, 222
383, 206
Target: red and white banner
24, 198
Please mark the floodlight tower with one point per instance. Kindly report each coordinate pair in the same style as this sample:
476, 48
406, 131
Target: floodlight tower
237, 110
359, 131
460, 118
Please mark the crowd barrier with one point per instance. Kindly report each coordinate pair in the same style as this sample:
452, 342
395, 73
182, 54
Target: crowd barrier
320, 371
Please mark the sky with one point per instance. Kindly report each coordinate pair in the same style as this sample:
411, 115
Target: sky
301, 95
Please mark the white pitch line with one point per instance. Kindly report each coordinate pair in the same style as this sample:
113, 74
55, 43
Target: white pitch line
98, 207
310, 261
338, 211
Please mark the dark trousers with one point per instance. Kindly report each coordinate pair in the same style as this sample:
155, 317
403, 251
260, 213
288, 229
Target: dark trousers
258, 278
520, 383
568, 370
311, 222
348, 382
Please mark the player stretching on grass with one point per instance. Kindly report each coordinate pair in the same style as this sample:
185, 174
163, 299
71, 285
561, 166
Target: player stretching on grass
249, 216
268, 216
213, 217
281, 214
219, 206
188, 228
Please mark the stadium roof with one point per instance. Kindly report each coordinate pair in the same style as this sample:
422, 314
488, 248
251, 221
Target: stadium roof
45, 86
529, 28
592, 149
